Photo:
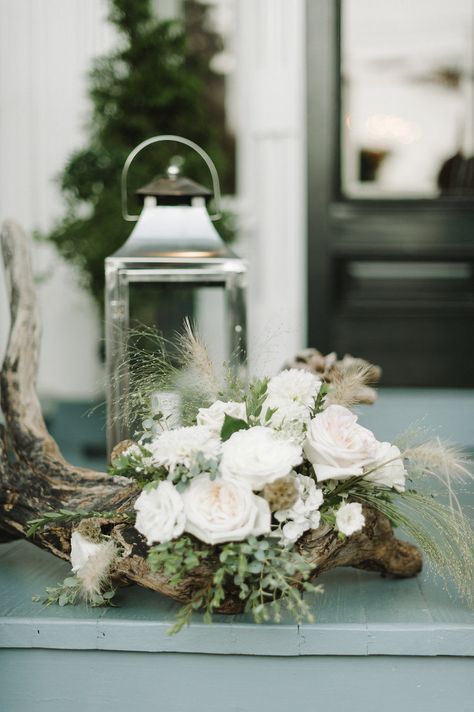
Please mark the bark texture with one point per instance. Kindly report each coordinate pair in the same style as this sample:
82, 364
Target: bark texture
35, 478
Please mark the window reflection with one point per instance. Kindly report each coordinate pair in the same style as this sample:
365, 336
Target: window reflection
407, 98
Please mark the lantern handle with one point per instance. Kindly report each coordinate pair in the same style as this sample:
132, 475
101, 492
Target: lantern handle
177, 139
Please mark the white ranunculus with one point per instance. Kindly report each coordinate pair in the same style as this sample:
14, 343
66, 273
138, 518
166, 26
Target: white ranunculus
390, 468
259, 456
294, 384
337, 446
213, 417
220, 510
349, 518
183, 446
160, 514
303, 515
82, 549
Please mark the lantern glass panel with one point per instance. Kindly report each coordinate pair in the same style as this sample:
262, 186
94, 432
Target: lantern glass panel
161, 293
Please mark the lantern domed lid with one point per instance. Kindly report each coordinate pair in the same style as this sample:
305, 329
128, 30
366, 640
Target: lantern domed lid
173, 188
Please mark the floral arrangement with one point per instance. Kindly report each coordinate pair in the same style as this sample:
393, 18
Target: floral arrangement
232, 495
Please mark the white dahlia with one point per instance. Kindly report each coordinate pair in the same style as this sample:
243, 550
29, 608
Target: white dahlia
183, 446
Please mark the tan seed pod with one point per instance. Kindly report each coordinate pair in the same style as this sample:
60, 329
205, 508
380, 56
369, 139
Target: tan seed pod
90, 529
120, 448
281, 494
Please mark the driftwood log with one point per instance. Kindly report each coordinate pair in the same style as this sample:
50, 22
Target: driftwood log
35, 478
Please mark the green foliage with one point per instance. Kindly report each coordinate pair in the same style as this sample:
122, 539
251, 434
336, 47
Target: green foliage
159, 80
266, 576
177, 558
181, 475
255, 398
232, 425
70, 592
320, 399
66, 516
136, 464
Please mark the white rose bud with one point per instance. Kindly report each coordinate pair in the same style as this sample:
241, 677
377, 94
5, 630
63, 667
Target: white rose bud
337, 446
219, 510
259, 456
349, 518
160, 514
213, 417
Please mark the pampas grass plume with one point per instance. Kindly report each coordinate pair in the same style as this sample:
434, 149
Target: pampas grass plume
94, 575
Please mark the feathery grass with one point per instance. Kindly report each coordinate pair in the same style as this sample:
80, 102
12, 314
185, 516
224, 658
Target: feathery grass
346, 384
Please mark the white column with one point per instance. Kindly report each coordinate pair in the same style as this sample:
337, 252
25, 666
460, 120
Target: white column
272, 174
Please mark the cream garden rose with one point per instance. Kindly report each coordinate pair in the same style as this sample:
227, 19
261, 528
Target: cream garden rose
349, 518
337, 446
259, 456
213, 417
219, 511
160, 514
388, 468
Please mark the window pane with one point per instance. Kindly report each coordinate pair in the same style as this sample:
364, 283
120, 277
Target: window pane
407, 98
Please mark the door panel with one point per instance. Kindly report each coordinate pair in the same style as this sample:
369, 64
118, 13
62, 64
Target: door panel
391, 238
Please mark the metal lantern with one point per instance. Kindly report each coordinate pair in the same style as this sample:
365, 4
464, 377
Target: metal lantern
176, 254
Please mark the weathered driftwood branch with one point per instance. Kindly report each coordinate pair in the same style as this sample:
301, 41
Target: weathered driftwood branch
35, 478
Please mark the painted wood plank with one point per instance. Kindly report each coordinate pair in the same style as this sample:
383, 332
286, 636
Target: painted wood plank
386, 618
118, 682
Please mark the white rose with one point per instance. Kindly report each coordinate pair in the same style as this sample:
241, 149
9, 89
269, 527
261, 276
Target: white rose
82, 550
390, 468
160, 514
349, 518
337, 446
259, 456
224, 510
183, 446
213, 417
294, 384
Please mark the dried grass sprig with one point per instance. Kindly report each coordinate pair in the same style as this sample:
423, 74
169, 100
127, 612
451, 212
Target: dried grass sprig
198, 365
346, 384
153, 364
443, 533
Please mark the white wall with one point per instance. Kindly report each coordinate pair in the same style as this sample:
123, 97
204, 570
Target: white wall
45, 52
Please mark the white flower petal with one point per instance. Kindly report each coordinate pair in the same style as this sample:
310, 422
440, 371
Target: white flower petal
259, 456
349, 518
221, 510
182, 446
337, 446
213, 417
294, 385
160, 514
82, 550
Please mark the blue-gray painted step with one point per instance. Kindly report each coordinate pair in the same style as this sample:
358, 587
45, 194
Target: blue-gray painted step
359, 614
